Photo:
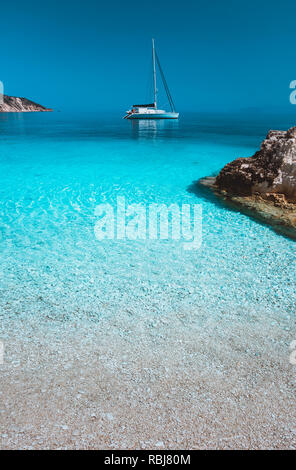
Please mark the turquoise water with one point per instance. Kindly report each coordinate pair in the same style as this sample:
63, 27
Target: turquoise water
55, 169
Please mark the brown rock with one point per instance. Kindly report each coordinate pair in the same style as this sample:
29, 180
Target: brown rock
270, 170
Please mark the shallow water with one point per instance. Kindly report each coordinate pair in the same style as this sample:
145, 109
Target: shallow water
55, 169
196, 341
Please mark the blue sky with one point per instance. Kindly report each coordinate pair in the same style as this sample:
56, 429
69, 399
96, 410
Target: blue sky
93, 55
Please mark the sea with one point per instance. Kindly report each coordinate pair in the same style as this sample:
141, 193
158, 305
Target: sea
56, 168
127, 341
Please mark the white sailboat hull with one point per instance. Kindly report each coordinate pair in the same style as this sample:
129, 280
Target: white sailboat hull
168, 115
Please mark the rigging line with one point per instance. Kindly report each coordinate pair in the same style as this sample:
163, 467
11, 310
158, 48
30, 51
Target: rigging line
168, 94
165, 85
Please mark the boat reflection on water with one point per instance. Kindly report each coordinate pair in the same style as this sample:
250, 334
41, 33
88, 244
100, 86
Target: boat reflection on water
150, 128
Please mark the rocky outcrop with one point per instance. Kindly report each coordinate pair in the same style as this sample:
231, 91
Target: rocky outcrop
263, 186
12, 104
272, 170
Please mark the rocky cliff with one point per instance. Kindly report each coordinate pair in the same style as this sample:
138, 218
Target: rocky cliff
272, 170
12, 104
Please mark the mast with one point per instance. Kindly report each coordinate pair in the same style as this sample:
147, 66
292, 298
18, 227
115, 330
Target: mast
154, 75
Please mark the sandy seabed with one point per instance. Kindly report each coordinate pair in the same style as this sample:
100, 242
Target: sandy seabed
126, 383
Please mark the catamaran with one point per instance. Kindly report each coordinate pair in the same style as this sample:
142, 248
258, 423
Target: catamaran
150, 111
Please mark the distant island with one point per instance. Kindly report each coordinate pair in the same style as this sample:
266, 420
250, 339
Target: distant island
13, 104
264, 185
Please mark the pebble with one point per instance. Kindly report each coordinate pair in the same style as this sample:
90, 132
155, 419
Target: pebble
159, 444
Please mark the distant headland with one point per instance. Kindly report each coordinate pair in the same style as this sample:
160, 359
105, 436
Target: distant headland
13, 104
